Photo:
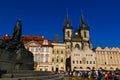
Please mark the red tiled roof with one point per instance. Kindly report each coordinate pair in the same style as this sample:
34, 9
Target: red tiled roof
26, 39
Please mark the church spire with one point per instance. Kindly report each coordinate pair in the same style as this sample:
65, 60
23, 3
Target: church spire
82, 22
67, 20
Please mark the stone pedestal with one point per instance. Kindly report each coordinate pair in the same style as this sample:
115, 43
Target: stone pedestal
30, 75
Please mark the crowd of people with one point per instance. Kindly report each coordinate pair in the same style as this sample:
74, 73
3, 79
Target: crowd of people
95, 74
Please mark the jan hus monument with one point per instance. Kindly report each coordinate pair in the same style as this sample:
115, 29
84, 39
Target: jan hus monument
13, 55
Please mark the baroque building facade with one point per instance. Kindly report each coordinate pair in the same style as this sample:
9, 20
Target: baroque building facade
107, 58
58, 54
42, 50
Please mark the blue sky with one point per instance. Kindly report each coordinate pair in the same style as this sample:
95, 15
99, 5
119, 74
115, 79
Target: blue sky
46, 18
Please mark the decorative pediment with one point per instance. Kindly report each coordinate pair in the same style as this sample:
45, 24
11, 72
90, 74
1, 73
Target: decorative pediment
98, 48
32, 43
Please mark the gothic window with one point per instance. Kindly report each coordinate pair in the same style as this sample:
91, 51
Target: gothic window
77, 46
68, 33
85, 35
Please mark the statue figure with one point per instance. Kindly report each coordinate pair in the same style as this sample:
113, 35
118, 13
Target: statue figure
13, 54
17, 31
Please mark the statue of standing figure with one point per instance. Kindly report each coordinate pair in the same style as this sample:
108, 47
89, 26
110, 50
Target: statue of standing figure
17, 31
13, 54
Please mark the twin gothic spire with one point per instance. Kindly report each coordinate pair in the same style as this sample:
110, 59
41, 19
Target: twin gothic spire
68, 25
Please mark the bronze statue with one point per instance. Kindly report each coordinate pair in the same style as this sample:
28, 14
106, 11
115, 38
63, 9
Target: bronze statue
13, 55
17, 31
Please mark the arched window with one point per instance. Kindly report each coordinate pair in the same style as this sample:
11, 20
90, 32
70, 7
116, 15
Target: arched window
77, 61
85, 35
77, 46
68, 33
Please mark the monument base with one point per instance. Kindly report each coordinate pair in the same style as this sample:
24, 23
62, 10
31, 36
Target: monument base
30, 75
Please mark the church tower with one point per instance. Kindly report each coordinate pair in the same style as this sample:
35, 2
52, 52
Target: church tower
85, 35
67, 33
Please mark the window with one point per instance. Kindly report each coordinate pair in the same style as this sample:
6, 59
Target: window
77, 61
36, 50
61, 51
110, 57
73, 62
77, 46
32, 49
85, 34
93, 62
80, 67
105, 63
35, 57
40, 69
61, 60
53, 51
87, 62
57, 51
68, 47
52, 59
47, 49
80, 62
68, 33
42, 49
90, 62
41, 59
57, 60
46, 58
46, 69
